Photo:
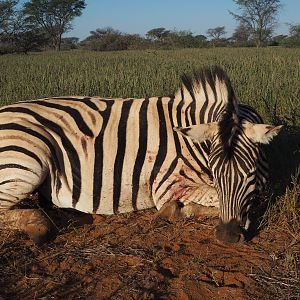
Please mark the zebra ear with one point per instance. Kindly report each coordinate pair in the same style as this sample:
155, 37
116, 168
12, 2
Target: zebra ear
261, 133
199, 133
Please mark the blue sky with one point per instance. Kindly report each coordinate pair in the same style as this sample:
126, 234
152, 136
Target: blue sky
139, 16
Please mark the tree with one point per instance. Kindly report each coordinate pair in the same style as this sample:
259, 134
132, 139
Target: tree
294, 38
105, 39
294, 30
7, 17
99, 33
29, 40
280, 39
201, 37
157, 34
109, 39
216, 33
53, 16
259, 16
184, 39
69, 43
242, 33
16, 35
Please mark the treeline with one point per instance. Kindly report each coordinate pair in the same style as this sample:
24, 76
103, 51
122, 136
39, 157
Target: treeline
38, 25
109, 39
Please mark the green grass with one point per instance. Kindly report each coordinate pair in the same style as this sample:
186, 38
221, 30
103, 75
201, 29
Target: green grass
267, 79
286, 211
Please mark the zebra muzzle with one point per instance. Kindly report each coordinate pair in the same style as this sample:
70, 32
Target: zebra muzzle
230, 233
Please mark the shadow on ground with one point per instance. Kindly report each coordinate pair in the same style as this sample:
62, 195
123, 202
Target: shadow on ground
284, 158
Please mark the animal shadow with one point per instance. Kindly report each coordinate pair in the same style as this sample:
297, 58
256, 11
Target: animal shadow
283, 156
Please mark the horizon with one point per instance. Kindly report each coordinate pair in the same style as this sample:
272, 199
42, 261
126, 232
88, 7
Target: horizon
134, 17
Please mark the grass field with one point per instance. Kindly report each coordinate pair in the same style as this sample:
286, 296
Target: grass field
267, 79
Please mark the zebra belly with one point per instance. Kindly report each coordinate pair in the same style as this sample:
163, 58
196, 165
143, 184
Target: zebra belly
186, 186
201, 194
85, 203
63, 198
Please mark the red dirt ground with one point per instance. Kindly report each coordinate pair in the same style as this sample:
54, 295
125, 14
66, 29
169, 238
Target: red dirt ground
133, 256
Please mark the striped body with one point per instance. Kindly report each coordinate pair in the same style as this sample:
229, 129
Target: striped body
109, 156
102, 156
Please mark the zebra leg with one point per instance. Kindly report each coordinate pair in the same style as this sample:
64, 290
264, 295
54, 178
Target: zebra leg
20, 176
31, 221
173, 210
197, 210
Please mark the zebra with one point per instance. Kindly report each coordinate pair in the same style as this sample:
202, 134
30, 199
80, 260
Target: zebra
195, 152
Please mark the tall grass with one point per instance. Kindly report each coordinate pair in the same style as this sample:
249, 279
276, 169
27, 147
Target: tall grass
267, 79
286, 211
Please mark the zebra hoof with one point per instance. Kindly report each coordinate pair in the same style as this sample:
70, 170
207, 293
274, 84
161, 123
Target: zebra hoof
34, 223
40, 234
170, 211
40, 229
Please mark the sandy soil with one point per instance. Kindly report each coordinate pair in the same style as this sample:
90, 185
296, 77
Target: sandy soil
134, 256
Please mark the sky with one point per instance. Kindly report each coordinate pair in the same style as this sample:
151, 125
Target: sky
139, 16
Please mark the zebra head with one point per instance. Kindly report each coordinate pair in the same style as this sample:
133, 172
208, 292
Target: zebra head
238, 168
235, 157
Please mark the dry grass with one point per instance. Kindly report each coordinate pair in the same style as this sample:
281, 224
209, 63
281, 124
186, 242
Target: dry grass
282, 218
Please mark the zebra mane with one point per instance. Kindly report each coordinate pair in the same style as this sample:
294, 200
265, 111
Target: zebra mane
200, 77
228, 120
228, 126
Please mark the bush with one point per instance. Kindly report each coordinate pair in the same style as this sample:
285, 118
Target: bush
6, 48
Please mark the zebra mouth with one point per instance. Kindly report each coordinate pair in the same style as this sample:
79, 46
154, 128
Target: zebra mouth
229, 233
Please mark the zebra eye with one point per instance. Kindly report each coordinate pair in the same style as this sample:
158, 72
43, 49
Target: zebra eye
251, 176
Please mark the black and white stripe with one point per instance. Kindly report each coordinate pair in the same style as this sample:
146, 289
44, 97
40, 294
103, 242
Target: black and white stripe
117, 155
